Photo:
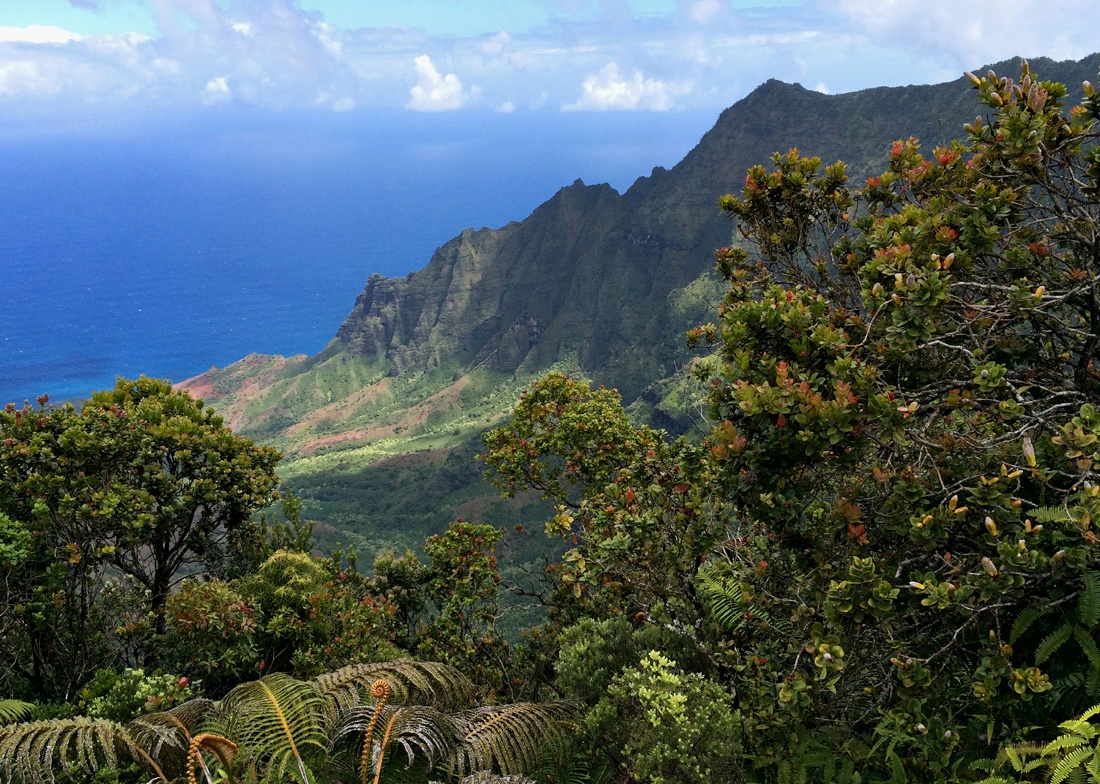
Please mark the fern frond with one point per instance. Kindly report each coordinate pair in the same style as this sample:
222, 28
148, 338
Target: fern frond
1069, 763
431, 683
165, 735
508, 737
488, 777
1053, 641
1024, 621
14, 710
274, 720
724, 598
423, 732
1095, 709
1049, 514
31, 752
1088, 606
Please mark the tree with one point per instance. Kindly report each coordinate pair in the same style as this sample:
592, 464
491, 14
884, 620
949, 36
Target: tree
904, 401
142, 479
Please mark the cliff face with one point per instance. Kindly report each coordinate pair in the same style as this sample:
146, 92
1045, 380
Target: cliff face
591, 278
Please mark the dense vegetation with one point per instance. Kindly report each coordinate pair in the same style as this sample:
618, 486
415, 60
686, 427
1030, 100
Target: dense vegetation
875, 564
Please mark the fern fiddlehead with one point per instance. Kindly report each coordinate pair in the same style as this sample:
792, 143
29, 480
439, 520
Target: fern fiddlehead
224, 749
379, 690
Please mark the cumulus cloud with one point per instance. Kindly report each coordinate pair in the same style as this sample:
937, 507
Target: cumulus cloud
24, 76
588, 56
37, 34
434, 92
980, 33
507, 107
609, 90
217, 90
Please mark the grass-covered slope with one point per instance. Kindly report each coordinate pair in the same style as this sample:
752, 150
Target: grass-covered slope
381, 427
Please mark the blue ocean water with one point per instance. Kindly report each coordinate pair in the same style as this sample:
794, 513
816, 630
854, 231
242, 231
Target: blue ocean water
175, 246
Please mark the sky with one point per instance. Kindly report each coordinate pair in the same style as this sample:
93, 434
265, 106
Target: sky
131, 59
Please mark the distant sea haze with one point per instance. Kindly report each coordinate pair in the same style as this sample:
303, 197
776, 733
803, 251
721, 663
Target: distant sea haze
167, 249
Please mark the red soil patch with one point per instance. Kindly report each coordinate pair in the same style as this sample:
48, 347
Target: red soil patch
415, 415
199, 387
343, 408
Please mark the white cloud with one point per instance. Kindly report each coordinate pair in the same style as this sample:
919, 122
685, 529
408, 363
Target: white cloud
434, 92
24, 76
704, 10
497, 44
166, 65
821, 88
705, 54
608, 90
343, 105
38, 34
507, 107
217, 90
976, 35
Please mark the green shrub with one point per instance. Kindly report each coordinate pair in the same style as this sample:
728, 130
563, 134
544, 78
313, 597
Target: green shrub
668, 727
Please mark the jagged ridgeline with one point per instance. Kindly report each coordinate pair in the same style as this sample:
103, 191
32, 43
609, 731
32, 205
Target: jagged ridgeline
380, 429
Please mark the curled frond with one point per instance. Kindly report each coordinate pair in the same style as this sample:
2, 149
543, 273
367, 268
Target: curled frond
273, 720
33, 752
508, 738
430, 683
225, 750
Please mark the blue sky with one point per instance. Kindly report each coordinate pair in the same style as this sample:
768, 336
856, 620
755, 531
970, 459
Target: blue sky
135, 57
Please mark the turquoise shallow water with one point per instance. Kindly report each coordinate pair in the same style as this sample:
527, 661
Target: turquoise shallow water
182, 245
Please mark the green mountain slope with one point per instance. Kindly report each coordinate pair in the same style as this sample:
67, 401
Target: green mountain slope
593, 281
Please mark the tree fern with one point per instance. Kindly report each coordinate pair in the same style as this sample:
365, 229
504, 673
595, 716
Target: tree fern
508, 738
423, 733
165, 736
430, 683
31, 752
274, 721
279, 724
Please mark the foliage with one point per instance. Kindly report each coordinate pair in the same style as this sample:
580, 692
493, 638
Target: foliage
142, 480
280, 728
462, 581
211, 633
902, 396
667, 726
124, 696
313, 616
14, 710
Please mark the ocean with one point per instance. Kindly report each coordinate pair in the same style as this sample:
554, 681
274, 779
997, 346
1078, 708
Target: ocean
187, 242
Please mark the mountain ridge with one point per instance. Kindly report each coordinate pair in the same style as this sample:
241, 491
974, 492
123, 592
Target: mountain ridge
592, 281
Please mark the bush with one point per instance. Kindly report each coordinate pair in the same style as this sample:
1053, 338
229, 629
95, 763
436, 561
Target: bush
667, 727
211, 633
124, 696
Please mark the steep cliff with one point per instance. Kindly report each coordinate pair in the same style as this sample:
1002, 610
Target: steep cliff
592, 280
